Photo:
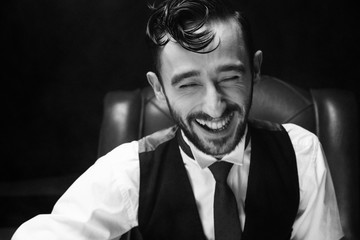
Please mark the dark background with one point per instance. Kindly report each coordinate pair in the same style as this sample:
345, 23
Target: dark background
60, 57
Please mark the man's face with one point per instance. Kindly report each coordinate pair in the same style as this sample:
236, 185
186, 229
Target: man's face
209, 94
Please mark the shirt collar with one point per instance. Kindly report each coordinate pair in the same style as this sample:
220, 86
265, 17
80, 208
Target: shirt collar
204, 160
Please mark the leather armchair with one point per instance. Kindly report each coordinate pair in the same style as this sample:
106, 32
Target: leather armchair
329, 113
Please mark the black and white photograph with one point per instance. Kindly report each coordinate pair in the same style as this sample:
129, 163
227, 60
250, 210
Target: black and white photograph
180, 120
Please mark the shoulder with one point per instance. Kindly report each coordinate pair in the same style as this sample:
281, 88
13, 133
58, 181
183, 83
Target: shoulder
306, 145
151, 142
122, 154
120, 166
126, 156
311, 160
301, 138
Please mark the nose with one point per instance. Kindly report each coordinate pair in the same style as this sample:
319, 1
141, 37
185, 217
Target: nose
213, 102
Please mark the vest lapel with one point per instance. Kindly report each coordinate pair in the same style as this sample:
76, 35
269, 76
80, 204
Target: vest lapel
167, 208
272, 195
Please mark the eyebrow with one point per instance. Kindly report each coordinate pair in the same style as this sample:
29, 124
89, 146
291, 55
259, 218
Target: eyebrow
231, 67
181, 76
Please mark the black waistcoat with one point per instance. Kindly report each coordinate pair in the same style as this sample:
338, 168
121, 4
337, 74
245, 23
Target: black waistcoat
167, 207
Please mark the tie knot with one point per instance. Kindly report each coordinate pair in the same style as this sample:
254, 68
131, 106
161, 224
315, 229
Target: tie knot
220, 170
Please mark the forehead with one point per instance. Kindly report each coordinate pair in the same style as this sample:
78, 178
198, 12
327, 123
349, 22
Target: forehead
227, 47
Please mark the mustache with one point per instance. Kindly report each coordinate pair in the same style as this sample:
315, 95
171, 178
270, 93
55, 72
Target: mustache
204, 116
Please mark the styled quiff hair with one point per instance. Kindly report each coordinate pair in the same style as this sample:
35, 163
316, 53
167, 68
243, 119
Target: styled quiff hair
181, 20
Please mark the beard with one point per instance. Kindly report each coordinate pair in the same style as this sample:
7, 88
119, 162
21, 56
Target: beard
220, 146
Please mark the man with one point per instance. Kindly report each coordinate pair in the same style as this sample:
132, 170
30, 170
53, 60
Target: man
168, 185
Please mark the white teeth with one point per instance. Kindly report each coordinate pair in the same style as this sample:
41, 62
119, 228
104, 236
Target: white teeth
202, 122
215, 124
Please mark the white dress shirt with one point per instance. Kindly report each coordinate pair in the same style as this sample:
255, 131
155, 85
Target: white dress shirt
102, 204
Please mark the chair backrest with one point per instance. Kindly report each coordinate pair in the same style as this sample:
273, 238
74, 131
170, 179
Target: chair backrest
329, 113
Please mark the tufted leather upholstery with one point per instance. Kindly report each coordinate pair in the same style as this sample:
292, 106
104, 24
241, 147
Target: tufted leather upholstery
329, 113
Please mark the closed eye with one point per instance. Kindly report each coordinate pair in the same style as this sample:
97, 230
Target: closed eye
188, 85
233, 78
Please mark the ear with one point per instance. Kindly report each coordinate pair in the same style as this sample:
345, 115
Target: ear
156, 85
257, 65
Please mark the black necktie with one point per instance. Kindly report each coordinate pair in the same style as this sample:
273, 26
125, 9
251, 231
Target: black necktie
226, 217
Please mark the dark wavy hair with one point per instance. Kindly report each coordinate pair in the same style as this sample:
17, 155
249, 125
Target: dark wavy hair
182, 20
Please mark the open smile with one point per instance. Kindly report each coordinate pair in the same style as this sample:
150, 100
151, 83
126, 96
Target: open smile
215, 125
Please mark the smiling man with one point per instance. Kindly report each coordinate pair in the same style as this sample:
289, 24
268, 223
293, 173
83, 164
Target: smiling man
209, 91
216, 174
